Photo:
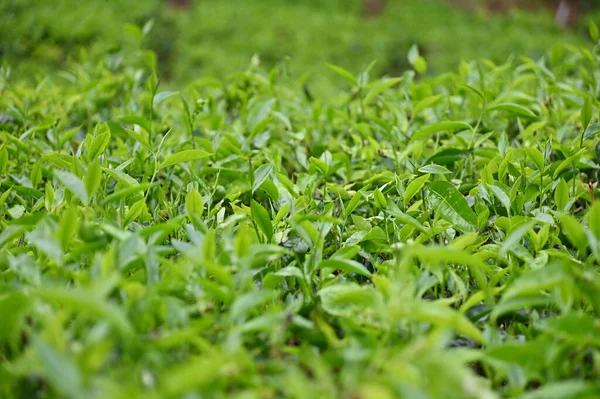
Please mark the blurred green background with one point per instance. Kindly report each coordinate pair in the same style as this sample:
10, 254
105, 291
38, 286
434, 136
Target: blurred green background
214, 38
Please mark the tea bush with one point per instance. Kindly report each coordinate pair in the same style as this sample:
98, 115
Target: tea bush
215, 38
411, 237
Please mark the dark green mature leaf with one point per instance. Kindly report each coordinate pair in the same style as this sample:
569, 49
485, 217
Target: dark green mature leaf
452, 206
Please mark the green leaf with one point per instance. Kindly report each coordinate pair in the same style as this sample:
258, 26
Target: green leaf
87, 304
134, 211
452, 206
379, 198
591, 131
262, 219
243, 304
514, 238
501, 195
260, 175
416, 60
586, 112
61, 372
406, 219
126, 192
593, 217
448, 156
162, 96
379, 87
360, 303
577, 328
347, 265
442, 316
184, 156
93, 178
438, 127
118, 130
593, 30
568, 389
68, 225
513, 108
99, 144
536, 281
574, 231
194, 204
425, 103
536, 157
3, 160
414, 187
13, 307
434, 170
343, 73
136, 120
73, 183
561, 195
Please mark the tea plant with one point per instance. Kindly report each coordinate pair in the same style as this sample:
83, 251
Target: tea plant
410, 237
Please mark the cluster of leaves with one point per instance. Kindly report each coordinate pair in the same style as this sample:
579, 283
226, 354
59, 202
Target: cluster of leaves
422, 238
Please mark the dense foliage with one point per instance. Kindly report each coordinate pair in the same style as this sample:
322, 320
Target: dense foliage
410, 237
214, 38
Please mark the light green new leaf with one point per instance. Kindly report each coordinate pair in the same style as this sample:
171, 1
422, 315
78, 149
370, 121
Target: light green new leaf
136, 120
561, 195
414, 187
92, 178
134, 211
184, 156
379, 87
260, 175
343, 73
73, 183
536, 157
435, 170
262, 219
194, 204
162, 96
513, 108
574, 231
379, 198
